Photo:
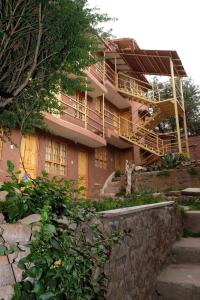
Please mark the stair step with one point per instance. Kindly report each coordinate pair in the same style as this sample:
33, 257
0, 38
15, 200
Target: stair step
187, 250
179, 282
192, 221
112, 189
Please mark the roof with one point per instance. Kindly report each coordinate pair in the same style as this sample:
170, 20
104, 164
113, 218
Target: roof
148, 62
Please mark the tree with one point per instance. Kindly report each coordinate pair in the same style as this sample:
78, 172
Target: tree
191, 93
42, 44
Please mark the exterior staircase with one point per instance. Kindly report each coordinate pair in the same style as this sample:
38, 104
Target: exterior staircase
113, 186
142, 135
181, 280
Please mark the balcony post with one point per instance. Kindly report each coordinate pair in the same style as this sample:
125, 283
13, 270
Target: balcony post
184, 120
103, 115
175, 106
116, 79
104, 67
86, 92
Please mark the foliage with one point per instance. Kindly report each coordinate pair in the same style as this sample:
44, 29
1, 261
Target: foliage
192, 171
27, 197
110, 203
118, 173
193, 204
165, 173
172, 160
43, 43
191, 93
69, 251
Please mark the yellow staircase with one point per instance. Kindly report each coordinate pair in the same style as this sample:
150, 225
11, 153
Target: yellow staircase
141, 134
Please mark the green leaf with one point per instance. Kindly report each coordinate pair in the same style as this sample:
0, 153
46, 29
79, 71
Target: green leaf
47, 296
3, 250
10, 166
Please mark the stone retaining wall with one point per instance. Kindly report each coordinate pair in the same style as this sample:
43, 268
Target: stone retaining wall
160, 181
149, 232
18, 234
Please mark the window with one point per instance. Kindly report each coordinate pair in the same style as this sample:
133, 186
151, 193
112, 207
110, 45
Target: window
99, 104
56, 158
1, 148
80, 106
101, 158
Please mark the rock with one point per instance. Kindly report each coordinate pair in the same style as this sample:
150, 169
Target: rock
15, 233
30, 219
6, 275
3, 195
140, 168
3, 260
6, 292
18, 272
2, 219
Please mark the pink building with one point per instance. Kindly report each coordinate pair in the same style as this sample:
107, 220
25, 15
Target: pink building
108, 124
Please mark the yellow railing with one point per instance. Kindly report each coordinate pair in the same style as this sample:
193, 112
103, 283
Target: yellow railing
80, 114
77, 112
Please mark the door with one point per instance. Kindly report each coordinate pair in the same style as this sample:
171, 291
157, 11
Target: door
29, 155
83, 171
125, 125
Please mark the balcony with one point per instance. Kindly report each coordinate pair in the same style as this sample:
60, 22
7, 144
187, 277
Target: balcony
86, 126
78, 123
95, 76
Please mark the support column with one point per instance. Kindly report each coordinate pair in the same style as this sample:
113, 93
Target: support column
175, 106
184, 120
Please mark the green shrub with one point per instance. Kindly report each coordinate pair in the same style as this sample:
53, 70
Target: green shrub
118, 173
63, 259
172, 160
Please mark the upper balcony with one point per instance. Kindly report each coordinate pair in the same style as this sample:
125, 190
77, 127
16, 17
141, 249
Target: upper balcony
78, 123
82, 124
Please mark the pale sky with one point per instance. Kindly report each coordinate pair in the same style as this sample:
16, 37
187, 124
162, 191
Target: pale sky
159, 24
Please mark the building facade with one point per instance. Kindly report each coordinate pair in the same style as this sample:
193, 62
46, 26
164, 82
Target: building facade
113, 121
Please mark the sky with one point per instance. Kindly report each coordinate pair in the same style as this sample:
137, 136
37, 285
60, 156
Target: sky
159, 24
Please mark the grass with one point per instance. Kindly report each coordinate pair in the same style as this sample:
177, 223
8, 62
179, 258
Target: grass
193, 204
114, 203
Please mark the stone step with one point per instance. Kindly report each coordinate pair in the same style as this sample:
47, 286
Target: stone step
192, 221
191, 192
112, 189
115, 183
187, 250
109, 195
179, 282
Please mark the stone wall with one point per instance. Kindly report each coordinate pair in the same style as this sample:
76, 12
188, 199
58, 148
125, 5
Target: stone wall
148, 234
18, 234
150, 231
160, 181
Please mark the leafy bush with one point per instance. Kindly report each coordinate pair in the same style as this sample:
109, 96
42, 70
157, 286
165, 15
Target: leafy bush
68, 253
172, 160
28, 197
118, 173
